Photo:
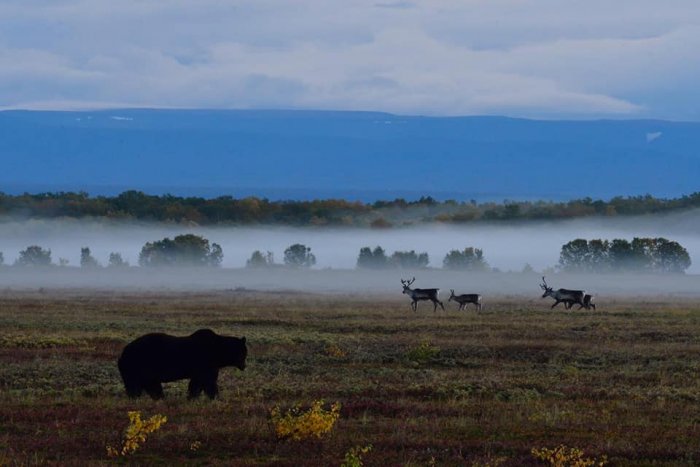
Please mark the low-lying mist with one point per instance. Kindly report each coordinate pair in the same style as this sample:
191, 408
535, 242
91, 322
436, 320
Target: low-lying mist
508, 247
385, 283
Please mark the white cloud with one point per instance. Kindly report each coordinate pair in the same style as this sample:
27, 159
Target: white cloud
541, 58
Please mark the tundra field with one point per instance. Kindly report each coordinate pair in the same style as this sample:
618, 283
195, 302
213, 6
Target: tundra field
423, 388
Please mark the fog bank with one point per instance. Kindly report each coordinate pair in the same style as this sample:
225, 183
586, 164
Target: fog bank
506, 246
352, 282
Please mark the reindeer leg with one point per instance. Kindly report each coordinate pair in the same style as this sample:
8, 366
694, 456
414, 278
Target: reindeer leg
555, 304
441, 305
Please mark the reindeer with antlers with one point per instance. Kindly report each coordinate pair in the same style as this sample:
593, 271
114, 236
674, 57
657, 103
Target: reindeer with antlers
566, 296
421, 294
466, 298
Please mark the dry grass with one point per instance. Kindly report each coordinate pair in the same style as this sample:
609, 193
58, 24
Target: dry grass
454, 388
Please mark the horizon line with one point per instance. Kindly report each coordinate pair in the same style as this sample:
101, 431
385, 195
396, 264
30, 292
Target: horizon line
126, 107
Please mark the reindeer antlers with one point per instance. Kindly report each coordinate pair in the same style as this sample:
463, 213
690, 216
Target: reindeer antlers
408, 283
544, 284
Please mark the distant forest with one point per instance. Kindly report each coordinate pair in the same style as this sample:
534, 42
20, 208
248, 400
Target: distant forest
135, 205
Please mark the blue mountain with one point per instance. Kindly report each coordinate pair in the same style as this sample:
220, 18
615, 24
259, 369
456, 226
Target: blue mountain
357, 155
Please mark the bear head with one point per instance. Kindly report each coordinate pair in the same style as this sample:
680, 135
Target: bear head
235, 352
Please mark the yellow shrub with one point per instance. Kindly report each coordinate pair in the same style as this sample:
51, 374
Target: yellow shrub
353, 458
563, 456
334, 351
195, 445
297, 424
136, 433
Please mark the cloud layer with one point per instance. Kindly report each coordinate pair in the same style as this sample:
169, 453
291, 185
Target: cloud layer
535, 58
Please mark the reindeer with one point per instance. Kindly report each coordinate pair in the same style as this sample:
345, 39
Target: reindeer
587, 302
463, 299
566, 296
421, 294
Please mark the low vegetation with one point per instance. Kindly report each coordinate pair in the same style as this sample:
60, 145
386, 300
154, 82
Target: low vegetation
298, 424
354, 456
514, 385
563, 456
136, 433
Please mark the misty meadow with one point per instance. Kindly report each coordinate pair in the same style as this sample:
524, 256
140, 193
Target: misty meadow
368, 233
345, 357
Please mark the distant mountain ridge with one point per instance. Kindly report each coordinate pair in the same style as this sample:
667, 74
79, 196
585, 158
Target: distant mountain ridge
353, 155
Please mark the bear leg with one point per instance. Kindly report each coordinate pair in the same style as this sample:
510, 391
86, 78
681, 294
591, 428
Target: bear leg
155, 390
208, 382
194, 389
132, 384
211, 389
133, 390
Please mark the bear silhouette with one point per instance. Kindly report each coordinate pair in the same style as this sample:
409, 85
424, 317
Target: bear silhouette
157, 358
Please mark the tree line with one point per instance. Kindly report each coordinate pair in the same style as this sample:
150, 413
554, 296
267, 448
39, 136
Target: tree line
300, 256
194, 250
657, 255
468, 259
137, 205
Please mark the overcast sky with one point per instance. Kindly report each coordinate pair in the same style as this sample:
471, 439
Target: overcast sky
532, 58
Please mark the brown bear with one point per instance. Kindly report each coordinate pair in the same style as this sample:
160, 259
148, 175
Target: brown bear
158, 358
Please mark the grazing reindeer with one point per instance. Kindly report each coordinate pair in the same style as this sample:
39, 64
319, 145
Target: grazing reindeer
421, 294
565, 296
587, 302
463, 299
